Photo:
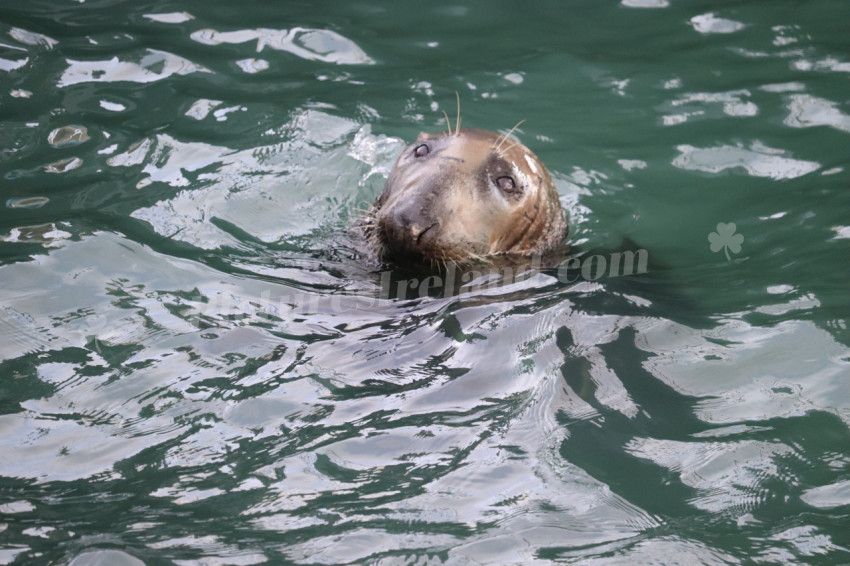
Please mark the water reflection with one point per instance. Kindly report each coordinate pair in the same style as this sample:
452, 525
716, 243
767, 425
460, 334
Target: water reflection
206, 368
152, 65
310, 44
806, 111
758, 161
244, 192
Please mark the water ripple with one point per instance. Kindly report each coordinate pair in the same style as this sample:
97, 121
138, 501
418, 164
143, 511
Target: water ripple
310, 44
188, 330
152, 65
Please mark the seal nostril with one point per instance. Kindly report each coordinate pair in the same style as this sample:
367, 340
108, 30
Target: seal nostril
421, 233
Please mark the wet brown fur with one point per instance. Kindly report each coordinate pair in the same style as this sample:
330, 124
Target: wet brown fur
447, 206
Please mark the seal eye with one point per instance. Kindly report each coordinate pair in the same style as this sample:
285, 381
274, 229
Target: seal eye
421, 150
507, 185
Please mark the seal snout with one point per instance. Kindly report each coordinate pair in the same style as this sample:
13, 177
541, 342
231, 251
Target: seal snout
404, 228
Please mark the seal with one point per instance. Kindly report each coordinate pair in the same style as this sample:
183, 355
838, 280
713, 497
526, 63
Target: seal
462, 196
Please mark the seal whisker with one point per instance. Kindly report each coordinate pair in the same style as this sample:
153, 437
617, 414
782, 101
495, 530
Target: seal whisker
457, 124
448, 124
366, 218
497, 143
509, 147
505, 137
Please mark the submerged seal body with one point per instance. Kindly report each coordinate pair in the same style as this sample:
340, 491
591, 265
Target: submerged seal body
463, 196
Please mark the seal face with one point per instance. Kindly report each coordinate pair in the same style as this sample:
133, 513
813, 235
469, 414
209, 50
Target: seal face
467, 195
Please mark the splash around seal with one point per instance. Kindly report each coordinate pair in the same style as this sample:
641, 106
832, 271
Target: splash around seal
462, 196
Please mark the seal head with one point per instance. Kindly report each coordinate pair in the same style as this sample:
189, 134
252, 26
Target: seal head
467, 195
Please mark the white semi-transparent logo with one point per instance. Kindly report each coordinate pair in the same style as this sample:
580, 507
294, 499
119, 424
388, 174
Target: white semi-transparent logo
726, 239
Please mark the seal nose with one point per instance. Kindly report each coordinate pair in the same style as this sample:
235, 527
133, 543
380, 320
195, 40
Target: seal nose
403, 226
407, 223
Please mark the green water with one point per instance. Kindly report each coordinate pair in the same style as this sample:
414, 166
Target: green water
197, 367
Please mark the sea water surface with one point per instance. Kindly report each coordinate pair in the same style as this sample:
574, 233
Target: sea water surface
199, 366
